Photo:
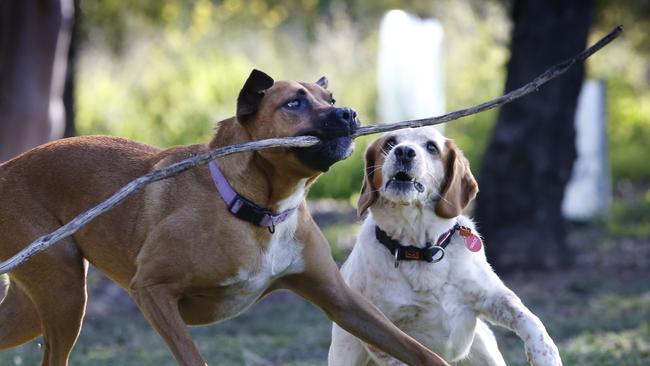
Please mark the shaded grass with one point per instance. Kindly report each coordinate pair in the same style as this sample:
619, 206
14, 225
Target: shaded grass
630, 218
282, 329
592, 323
598, 313
604, 320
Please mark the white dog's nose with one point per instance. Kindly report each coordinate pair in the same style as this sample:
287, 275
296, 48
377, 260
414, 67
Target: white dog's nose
404, 154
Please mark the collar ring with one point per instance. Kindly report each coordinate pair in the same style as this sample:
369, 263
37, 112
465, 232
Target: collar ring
438, 255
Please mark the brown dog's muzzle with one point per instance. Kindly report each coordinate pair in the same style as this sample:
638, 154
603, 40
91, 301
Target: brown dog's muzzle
334, 127
334, 122
349, 118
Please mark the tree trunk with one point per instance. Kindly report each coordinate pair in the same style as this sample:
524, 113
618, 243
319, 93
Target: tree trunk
34, 36
70, 76
528, 161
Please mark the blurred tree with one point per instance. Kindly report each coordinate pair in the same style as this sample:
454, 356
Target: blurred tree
34, 37
530, 156
71, 75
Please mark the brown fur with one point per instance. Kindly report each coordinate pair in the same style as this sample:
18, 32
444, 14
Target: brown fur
171, 245
460, 186
372, 180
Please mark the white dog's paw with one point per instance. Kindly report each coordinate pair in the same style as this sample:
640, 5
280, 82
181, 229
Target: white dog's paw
543, 353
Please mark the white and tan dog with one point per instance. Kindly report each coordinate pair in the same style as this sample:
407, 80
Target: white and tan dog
416, 184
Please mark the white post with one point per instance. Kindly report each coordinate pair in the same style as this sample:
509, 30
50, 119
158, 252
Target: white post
410, 71
588, 194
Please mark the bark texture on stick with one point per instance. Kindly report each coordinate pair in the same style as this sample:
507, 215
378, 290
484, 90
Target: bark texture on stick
529, 159
78, 222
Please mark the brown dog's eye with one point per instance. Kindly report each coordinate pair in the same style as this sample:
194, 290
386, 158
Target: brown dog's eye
333, 101
293, 104
390, 143
432, 148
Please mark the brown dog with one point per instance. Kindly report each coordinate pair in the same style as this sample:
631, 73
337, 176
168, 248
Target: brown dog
175, 247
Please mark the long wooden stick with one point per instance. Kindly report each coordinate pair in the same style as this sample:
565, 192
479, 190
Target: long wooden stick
134, 186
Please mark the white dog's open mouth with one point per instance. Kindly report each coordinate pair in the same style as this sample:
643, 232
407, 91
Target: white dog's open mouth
403, 181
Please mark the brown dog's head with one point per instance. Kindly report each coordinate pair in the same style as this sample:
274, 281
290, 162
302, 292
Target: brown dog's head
268, 108
417, 167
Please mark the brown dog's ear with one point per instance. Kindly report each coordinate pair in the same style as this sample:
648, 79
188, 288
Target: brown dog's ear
252, 93
323, 82
372, 177
460, 186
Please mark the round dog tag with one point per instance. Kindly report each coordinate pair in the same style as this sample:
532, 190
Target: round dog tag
473, 243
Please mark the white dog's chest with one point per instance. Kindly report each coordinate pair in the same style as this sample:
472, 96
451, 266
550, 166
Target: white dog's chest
433, 302
438, 319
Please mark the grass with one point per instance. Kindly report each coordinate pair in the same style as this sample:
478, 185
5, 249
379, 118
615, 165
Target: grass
631, 217
342, 238
603, 323
608, 324
598, 313
596, 317
282, 328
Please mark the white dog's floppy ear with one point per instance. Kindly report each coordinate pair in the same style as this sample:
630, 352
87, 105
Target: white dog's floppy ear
252, 93
372, 177
322, 82
460, 186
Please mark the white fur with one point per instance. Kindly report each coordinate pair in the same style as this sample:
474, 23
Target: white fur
283, 256
439, 304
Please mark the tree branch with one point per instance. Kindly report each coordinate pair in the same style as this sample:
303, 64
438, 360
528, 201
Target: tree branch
134, 186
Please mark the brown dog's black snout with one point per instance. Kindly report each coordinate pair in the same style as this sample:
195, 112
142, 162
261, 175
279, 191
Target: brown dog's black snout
347, 115
404, 154
348, 118
339, 122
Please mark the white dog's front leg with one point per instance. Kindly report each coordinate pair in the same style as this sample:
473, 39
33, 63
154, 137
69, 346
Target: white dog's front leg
346, 349
381, 358
507, 310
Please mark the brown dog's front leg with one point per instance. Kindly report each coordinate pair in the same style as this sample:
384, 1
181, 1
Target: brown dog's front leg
160, 306
360, 317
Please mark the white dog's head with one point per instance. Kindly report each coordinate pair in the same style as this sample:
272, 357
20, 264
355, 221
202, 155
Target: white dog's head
417, 167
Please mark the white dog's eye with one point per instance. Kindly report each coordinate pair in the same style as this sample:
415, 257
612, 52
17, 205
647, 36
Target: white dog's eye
431, 147
390, 143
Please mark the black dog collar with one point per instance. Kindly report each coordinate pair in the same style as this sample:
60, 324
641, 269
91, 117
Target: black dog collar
430, 253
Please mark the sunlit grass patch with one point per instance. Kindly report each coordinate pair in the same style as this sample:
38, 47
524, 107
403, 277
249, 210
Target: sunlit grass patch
341, 239
603, 321
626, 348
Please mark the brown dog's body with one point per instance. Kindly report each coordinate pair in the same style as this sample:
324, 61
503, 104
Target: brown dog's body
174, 246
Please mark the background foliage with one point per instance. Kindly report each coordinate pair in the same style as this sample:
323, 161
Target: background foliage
164, 72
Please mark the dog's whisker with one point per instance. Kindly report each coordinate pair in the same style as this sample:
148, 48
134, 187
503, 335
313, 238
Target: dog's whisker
373, 169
